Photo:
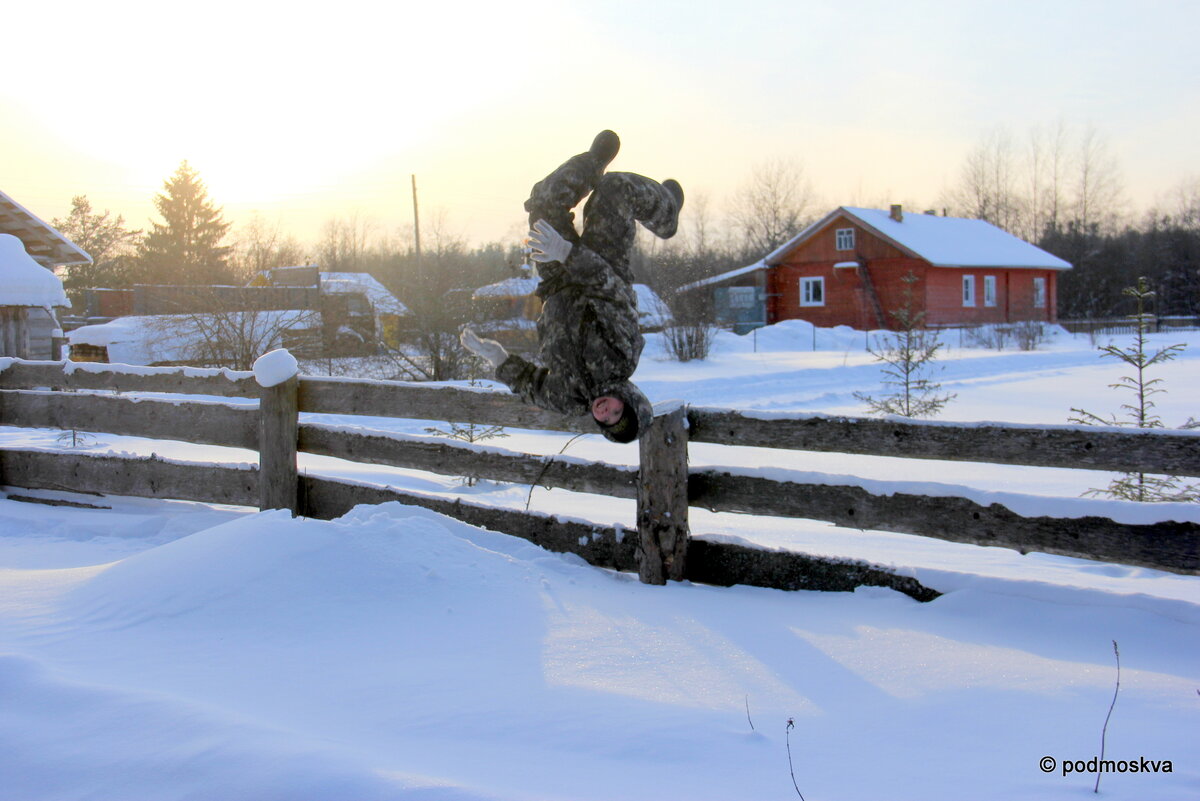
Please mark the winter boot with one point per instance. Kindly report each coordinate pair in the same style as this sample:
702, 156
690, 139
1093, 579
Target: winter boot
552, 198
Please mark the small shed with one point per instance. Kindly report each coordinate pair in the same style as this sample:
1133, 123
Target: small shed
29, 293
513, 300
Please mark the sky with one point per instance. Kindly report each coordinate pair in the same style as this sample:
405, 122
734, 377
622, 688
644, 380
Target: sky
302, 114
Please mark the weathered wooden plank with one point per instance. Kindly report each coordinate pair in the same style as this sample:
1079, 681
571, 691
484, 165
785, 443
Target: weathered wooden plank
205, 423
1171, 546
1148, 451
719, 563
140, 477
278, 419
460, 459
83, 375
424, 402
662, 509
726, 564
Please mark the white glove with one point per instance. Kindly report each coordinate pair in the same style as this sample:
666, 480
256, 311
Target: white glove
487, 349
545, 244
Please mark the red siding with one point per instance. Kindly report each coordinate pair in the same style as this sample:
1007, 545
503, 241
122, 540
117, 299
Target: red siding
939, 292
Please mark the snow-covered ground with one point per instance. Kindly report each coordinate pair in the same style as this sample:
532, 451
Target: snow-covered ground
162, 650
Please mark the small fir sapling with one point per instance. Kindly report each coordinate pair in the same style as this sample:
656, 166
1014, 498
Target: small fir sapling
468, 432
908, 354
1140, 411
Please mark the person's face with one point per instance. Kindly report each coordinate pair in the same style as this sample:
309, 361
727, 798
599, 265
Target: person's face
607, 410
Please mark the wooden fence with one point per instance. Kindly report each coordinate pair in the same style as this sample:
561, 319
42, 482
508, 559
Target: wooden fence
51, 394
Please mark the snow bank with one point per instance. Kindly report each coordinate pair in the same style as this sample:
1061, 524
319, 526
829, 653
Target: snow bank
395, 653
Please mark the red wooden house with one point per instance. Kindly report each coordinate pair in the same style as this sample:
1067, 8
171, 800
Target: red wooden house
846, 269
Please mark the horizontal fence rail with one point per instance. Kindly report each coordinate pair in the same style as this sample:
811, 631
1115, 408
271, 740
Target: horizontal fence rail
1088, 447
461, 459
203, 423
18, 374
422, 402
663, 486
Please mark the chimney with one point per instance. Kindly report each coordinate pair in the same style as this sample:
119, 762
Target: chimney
897, 213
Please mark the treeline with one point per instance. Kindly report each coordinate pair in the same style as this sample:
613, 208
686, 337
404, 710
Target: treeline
1060, 189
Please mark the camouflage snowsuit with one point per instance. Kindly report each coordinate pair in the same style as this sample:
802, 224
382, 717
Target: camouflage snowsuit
588, 332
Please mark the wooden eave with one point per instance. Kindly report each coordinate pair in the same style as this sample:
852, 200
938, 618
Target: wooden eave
43, 243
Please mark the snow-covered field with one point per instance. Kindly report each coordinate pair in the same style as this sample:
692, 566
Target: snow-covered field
172, 650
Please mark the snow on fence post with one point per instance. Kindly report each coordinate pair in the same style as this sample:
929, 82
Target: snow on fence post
278, 425
662, 498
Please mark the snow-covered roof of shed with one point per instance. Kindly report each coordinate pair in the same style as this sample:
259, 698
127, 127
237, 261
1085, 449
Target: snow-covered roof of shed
363, 283
150, 339
24, 282
651, 309
942, 241
44, 244
515, 287
727, 276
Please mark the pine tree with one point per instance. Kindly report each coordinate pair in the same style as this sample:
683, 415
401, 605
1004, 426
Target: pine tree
908, 354
186, 248
1140, 486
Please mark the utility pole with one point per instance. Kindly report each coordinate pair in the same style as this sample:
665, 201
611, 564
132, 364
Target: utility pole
416, 220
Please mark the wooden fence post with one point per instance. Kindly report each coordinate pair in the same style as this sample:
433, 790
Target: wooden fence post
662, 499
278, 424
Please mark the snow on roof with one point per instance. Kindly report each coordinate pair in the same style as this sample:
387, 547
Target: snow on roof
45, 244
942, 241
159, 338
24, 282
363, 283
651, 308
717, 279
516, 287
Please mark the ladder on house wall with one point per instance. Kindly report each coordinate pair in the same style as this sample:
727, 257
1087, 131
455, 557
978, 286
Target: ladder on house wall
876, 307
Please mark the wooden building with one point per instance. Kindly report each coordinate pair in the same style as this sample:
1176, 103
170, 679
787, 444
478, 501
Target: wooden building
847, 269
29, 298
29, 293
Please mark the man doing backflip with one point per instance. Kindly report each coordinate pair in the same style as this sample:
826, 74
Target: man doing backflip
588, 333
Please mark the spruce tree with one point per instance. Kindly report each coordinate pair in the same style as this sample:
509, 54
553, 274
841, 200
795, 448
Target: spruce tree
186, 248
1140, 486
908, 354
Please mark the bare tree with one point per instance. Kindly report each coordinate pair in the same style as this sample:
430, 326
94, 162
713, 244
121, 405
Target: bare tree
988, 184
773, 205
259, 246
1048, 158
1098, 186
345, 244
233, 339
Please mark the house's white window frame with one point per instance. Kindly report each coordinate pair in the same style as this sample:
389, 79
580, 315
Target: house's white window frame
1039, 292
968, 290
843, 238
989, 290
807, 297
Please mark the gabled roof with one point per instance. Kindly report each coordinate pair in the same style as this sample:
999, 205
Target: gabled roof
45, 245
515, 287
363, 283
941, 241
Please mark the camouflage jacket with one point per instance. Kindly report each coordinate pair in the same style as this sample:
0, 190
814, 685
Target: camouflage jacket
590, 341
